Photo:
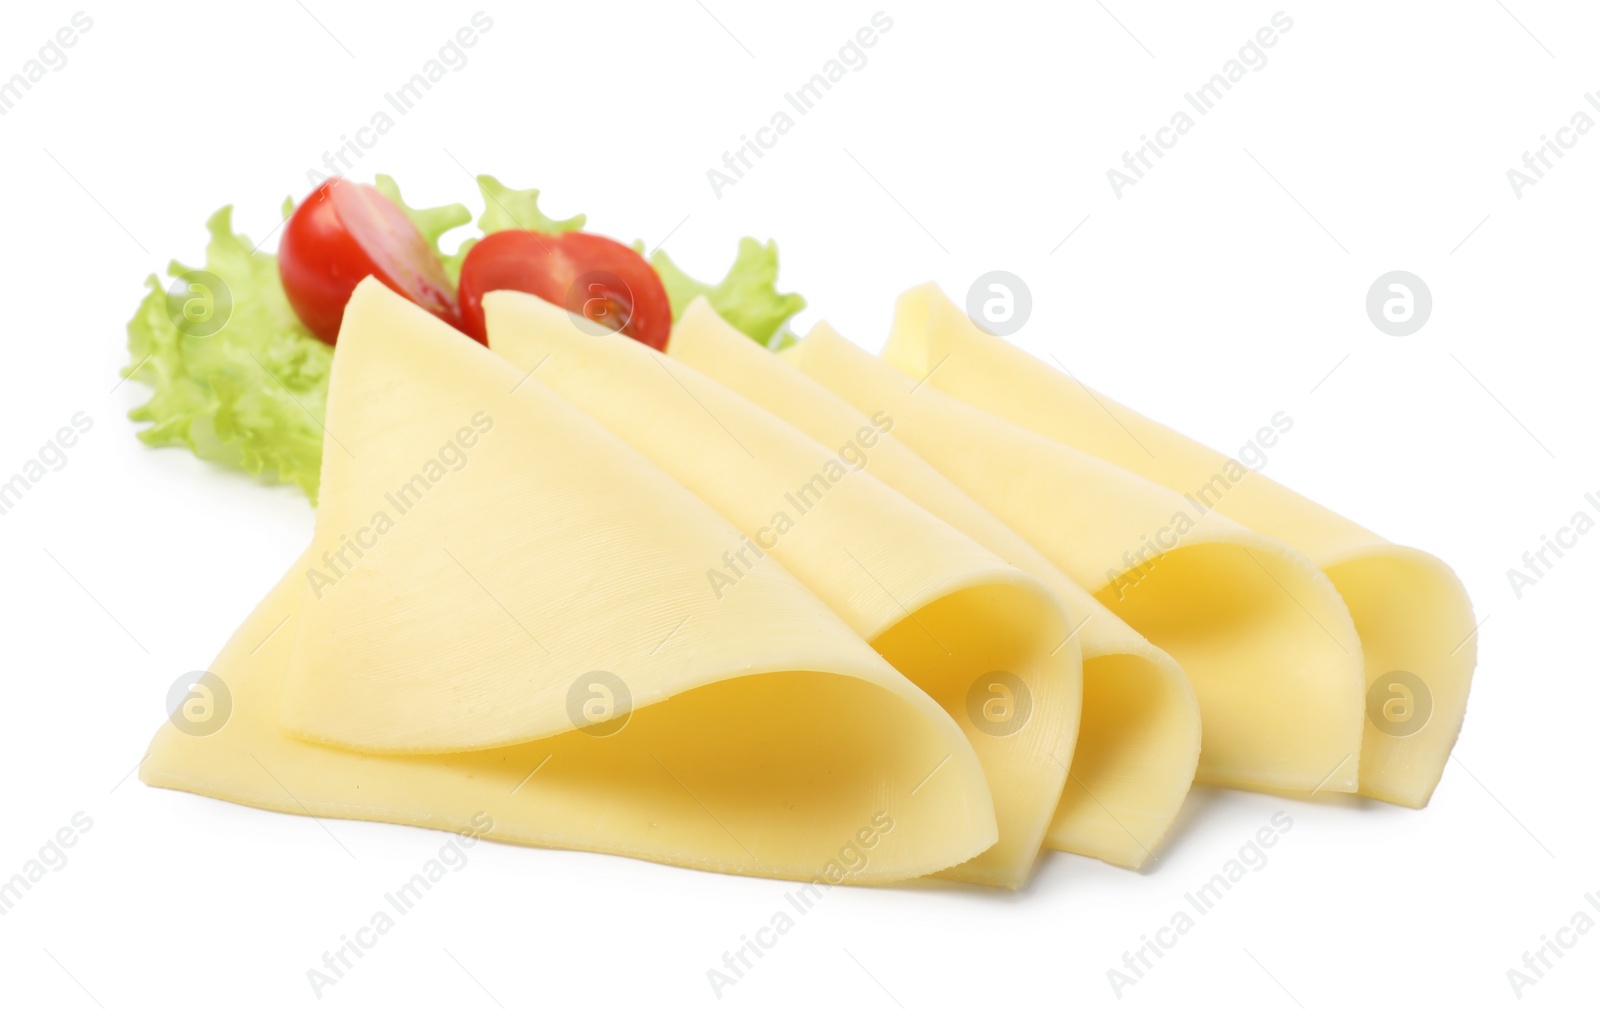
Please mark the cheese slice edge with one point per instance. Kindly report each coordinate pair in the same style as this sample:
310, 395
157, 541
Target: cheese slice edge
1412, 613
732, 777
762, 735
1261, 632
981, 637
1140, 736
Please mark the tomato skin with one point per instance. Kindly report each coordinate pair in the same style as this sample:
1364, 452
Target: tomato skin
588, 275
343, 233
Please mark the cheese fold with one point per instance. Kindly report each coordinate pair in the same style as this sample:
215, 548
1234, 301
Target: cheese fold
990, 643
1410, 610
519, 644
1264, 637
1140, 735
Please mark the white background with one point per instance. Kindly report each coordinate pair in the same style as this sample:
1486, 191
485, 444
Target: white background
1225, 286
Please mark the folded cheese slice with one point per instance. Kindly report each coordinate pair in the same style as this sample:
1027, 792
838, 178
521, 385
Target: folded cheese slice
1261, 632
1412, 613
520, 636
1140, 734
990, 643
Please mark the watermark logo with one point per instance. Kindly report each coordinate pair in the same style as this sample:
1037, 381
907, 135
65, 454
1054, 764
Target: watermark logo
341, 559
1399, 704
1252, 456
450, 58
1536, 163
51, 857
1537, 962
199, 704
1251, 58
999, 302
199, 303
1251, 858
1399, 303
51, 458
599, 703
51, 57
852, 858
999, 703
451, 857
1540, 561
602, 298
850, 458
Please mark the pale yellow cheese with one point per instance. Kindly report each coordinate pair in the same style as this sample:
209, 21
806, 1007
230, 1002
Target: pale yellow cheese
1413, 616
439, 671
1140, 734
1261, 632
990, 643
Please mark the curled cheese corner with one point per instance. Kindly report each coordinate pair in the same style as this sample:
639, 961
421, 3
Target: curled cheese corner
990, 643
1410, 610
1261, 632
439, 673
1140, 735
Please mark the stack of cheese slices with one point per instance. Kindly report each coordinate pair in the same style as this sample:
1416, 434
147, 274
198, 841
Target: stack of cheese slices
818, 615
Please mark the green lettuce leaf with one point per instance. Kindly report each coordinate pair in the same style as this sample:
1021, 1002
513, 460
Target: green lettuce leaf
747, 297
433, 222
239, 381
505, 208
249, 394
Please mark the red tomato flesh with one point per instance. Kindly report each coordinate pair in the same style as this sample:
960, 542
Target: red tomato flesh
345, 232
604, 281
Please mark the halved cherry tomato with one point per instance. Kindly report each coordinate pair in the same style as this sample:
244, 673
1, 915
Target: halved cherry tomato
601, 280
345, 232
